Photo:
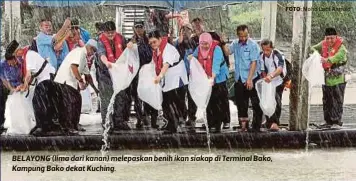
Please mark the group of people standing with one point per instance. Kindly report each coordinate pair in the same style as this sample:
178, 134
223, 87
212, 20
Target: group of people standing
60, 66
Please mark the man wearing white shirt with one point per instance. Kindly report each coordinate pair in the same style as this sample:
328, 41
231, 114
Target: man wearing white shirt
273, 70
69, 76
46, 98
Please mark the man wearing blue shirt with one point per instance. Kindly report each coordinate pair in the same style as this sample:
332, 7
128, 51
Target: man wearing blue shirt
246, 54
52, 47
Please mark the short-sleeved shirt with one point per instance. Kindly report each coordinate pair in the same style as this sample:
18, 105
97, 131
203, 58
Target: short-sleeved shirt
219, 67
78, 56
176, 75
12, 74
271, 63
34, 62
45, 48
244, 55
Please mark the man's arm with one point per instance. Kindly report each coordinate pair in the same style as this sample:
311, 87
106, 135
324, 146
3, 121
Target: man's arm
228, 50
89, 80
339, 57
74, 68
7, 85
317, 47
59, 44
60, 35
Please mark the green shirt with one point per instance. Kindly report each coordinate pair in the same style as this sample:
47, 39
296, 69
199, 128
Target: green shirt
339, 58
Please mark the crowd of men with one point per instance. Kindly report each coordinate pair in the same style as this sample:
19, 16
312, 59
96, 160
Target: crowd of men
60, 64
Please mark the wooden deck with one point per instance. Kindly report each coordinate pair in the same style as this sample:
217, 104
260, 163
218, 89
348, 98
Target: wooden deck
91, 139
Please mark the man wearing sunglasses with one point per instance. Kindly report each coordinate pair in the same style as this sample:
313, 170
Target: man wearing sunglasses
334, 57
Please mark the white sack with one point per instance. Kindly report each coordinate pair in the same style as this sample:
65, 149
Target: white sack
20, 118
266, 93
124, 70
313, 70
86, 101
147, 90
199, 86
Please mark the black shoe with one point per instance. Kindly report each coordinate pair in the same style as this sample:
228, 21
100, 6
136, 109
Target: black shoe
226, 126
72, 132
325, 126
139, 125
123, 126
154, 126
39, 132
80, 128
168, 129
190, 123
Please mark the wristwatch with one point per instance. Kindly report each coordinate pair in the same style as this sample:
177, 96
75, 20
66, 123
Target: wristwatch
81, 80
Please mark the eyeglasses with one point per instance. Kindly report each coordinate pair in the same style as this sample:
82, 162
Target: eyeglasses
110, 32
139, 26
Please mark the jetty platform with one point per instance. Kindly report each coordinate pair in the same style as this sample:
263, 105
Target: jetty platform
92, 138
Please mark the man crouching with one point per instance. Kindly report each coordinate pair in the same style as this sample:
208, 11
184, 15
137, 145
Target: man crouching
46, 98
70, 80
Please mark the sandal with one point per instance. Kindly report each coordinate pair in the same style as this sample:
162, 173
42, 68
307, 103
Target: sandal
244, 125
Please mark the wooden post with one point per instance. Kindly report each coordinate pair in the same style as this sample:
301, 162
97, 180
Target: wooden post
13, 19
269, 20
298, 106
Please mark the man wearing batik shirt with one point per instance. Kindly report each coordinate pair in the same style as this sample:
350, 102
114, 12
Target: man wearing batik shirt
11, 78
334, 58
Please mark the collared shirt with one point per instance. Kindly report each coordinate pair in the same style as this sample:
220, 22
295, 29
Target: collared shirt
46, 50
78, 56
34, 62
220, 68
12, 74
270, 64
184, 53
244, 55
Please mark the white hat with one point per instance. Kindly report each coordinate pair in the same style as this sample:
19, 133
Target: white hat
92, 43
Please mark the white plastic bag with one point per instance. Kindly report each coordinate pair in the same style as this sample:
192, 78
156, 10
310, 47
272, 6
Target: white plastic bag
313, 70
19, 122
147, 90
124, 70
86, 101
266, 93
199, 86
